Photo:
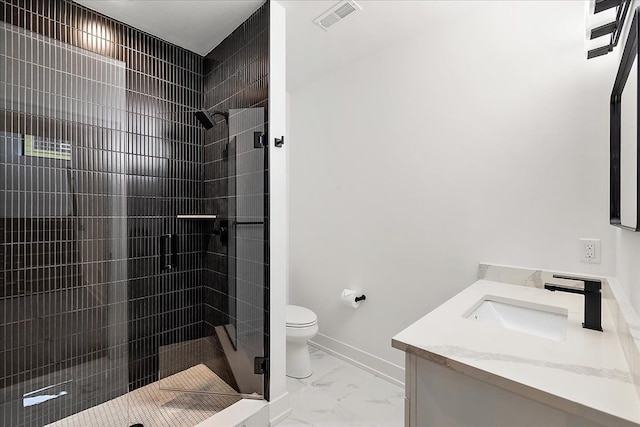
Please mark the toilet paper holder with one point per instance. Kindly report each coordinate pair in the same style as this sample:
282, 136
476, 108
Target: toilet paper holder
351, 298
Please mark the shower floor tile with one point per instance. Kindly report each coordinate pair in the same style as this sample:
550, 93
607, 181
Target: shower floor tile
339, 394
155, 406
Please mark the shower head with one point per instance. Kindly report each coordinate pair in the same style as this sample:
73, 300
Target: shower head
206, 119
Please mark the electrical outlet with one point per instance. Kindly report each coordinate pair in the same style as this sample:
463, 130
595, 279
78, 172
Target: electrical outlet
590, 251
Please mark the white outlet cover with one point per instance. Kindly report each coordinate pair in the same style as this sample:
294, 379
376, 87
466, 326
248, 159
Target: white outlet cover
590, 251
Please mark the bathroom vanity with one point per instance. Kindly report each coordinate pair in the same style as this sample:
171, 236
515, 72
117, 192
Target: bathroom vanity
505, 351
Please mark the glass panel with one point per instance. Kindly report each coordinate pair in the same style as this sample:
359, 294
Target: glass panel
247, 263
223, 360
63, 247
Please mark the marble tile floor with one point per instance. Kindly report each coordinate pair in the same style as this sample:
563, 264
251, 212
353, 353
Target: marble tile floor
339, 394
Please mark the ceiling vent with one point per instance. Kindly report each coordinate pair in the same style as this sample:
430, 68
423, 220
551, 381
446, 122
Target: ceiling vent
336, 14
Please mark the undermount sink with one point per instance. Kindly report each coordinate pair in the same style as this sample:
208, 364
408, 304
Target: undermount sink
536, 319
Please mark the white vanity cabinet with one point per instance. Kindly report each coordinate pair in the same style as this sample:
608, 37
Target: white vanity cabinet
438, 396
461, 371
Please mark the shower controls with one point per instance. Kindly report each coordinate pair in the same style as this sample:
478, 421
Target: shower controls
222, 231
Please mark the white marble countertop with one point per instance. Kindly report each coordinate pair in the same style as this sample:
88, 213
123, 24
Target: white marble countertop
586, 374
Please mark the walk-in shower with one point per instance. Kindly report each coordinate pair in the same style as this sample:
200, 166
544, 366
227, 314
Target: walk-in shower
97, 189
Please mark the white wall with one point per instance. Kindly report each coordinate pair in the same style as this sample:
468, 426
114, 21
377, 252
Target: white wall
628, 265
279, 407
482, 140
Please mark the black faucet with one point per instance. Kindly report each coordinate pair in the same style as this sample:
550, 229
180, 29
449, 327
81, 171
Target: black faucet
592, 299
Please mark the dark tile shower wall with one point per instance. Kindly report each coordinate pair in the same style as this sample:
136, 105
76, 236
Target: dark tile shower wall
164, 86
236, 273
69, 276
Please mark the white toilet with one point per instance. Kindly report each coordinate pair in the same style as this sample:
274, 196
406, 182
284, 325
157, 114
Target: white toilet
302, 325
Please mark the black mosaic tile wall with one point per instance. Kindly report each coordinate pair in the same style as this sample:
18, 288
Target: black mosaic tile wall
82, 298
235, 188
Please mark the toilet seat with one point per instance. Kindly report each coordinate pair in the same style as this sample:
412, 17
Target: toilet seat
299, 317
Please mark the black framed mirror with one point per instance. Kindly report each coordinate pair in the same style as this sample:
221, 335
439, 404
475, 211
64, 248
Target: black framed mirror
624, 178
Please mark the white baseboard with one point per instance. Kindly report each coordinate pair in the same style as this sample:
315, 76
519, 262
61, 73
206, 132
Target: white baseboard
279, 409
367, 361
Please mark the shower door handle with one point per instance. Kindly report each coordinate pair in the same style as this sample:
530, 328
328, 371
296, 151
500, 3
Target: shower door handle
168, 252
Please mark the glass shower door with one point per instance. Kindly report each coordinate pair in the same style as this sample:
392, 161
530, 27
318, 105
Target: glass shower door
228, 359
247, 249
